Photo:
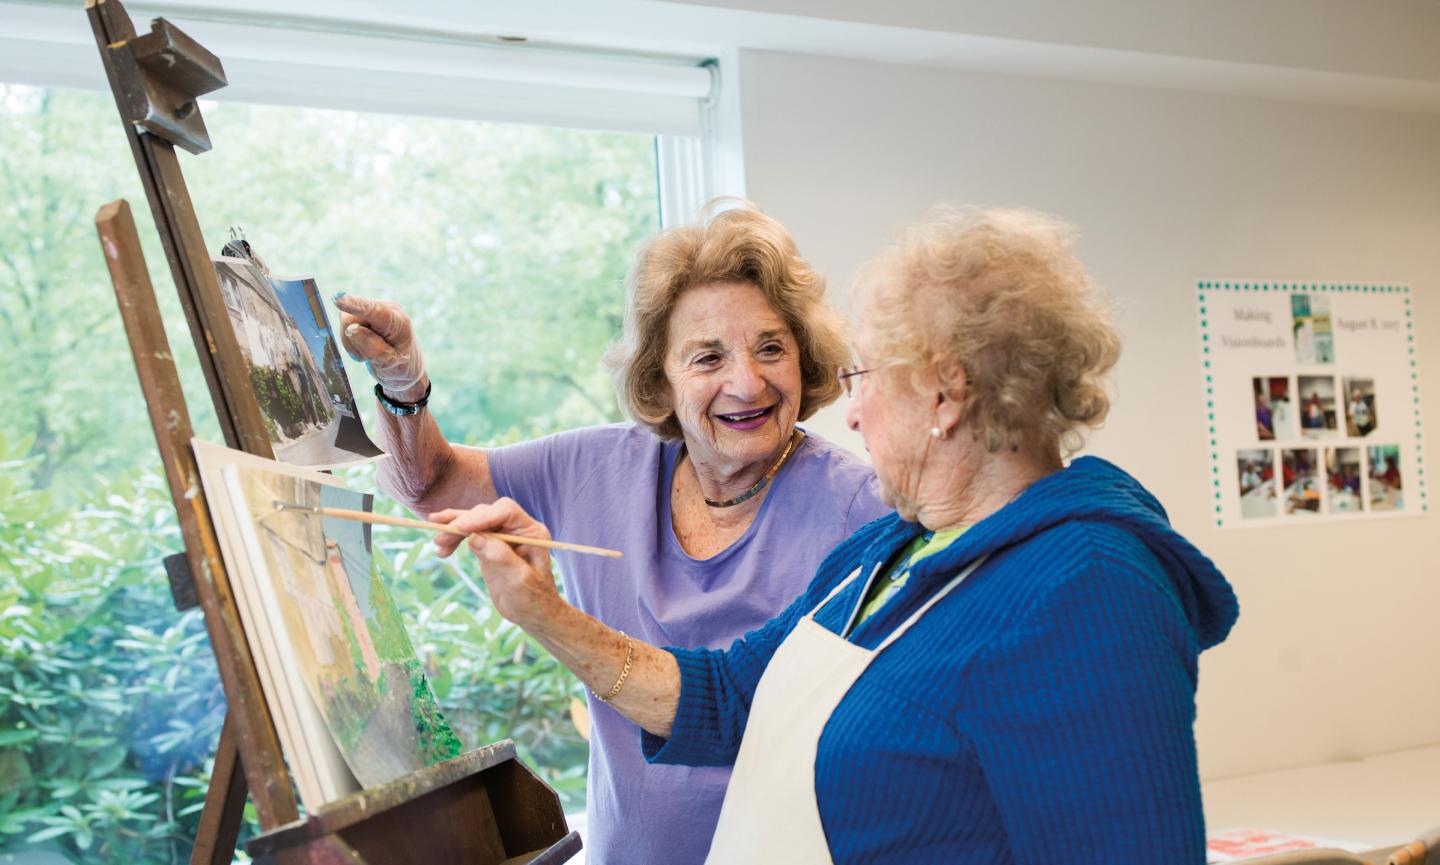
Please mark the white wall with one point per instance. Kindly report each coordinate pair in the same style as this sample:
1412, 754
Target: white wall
1330, 35
1336, 653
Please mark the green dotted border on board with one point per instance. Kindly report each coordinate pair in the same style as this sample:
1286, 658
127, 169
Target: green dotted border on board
1213, 285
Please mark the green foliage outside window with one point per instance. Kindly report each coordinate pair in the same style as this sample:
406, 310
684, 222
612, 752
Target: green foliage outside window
506, 244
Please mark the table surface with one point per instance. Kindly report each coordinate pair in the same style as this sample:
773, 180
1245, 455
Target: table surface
1374, 803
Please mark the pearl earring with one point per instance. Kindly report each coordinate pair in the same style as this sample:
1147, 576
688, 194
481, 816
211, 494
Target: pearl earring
935, 432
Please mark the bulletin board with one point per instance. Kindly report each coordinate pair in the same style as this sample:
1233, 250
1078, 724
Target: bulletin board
1312, 402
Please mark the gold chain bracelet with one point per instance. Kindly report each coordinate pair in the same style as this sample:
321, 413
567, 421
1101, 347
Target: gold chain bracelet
624, 674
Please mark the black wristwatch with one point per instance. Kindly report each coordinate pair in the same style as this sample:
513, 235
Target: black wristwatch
403, 409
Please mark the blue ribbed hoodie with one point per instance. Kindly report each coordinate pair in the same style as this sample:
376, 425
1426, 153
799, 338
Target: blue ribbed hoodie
1042, 712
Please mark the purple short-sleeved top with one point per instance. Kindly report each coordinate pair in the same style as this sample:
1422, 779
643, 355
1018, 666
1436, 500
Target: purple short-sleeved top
610, 486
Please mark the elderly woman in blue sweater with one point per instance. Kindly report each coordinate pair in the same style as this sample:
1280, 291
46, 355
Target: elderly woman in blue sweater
1002, 671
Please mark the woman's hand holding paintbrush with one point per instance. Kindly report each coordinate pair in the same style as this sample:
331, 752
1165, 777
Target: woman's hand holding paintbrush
640, 681
524, 595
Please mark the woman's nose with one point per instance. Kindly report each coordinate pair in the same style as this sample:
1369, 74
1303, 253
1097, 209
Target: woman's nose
746, 383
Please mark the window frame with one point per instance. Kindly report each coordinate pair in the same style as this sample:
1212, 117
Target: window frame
688, 103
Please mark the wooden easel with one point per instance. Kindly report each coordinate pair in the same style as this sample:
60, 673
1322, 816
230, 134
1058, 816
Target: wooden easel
483, 807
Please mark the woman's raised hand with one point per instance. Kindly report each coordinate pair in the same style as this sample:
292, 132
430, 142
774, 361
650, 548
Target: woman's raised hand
378, 332
521, 584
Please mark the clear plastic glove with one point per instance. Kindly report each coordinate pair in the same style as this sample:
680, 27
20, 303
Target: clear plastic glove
378, 332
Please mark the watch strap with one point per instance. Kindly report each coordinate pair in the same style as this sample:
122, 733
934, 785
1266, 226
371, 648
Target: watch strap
403, 409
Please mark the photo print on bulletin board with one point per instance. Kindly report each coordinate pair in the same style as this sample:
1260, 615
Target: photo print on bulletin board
1312, 402
1300, 479
1342, 478
1255, 474
1274, 409
1318, 417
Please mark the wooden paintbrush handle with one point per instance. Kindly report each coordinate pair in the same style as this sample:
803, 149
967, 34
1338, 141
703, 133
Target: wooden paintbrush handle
382, 519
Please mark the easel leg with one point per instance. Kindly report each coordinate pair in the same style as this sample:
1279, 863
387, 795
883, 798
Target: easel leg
224, 804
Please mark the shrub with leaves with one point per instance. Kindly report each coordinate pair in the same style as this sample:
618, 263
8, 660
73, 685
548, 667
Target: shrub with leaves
106, 719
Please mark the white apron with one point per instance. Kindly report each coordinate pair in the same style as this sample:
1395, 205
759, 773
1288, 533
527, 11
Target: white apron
770, 812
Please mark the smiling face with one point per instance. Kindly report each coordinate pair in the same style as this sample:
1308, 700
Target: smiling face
734, 372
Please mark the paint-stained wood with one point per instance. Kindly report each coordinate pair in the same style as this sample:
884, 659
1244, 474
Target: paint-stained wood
561, 851
185, 250
363, 804
224, 809
480, 808
265, 771
527, 811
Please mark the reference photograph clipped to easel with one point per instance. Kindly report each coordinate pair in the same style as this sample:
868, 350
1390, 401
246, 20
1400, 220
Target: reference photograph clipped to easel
715, 433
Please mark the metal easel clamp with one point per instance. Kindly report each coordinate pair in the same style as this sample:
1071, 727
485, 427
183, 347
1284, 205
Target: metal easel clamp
161, 77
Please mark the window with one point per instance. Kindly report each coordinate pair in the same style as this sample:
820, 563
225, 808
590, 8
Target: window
507, 245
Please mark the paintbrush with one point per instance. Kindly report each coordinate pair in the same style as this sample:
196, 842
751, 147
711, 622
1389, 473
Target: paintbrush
381, 519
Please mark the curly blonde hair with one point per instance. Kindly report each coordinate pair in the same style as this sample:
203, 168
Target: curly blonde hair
1001, 293
733, 242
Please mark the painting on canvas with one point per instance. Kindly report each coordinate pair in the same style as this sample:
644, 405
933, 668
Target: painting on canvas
340, 673
348, 641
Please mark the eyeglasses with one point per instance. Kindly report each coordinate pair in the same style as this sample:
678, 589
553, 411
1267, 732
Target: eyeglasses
846, 375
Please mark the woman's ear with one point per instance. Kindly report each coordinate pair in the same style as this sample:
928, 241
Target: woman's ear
952, 384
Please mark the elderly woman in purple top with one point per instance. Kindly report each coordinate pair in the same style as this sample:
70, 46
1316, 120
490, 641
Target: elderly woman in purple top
722, 505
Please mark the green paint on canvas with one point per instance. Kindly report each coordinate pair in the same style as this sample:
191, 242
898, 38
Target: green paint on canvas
348, 637
436, 739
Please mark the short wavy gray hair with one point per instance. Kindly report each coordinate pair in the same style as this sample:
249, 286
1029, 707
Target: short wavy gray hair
1001, 293
733, 242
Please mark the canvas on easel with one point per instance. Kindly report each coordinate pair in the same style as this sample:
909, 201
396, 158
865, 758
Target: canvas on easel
336, 659
318, 768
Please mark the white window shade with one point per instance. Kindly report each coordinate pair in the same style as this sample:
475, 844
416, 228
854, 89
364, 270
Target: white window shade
368, 68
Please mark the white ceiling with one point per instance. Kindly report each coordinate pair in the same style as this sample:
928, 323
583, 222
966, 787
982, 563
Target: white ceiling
1393, 38
1380, 54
